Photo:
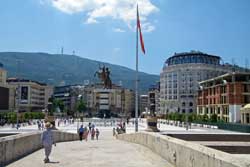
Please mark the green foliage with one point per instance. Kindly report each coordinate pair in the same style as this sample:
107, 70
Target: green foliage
198, 118
57, 103
213, 118
11, 117
204, 118
166, 116
81, 106
192, 117
171, 116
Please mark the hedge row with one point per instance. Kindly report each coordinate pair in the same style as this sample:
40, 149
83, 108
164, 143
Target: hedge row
11, 117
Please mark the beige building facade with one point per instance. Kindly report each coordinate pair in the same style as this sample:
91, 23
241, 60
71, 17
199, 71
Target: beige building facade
30, 95
245, 114
117, 101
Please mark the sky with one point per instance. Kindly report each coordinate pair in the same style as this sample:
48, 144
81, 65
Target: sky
104, 30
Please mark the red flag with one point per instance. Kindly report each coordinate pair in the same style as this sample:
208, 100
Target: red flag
139, 28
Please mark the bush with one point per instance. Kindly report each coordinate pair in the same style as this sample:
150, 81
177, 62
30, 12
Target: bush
213, 118
204, 118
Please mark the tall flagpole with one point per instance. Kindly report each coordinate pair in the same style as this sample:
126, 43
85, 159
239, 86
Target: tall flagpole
136, 76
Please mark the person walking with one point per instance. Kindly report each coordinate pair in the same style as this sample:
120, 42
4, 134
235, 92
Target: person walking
81, 132
97, 132
90, 126
92, 134
42, 125
47, 141
86, 133
39, 125
114, 132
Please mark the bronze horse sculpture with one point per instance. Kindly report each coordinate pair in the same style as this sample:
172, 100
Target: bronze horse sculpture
104, 75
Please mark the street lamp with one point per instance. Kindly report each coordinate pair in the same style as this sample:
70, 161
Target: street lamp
77, 112
18, 94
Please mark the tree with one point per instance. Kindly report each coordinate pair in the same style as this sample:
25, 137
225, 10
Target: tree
81, 106
213, 118
56, 103
192, 117
204, 118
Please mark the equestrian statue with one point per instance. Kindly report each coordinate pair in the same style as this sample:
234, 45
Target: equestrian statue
104, 75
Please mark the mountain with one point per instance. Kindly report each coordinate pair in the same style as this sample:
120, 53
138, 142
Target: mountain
56, 69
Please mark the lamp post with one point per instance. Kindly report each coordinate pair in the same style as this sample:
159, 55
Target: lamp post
79, 98
18, 94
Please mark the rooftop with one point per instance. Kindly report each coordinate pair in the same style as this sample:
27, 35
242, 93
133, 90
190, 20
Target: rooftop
227, 77
13, 80
192, 57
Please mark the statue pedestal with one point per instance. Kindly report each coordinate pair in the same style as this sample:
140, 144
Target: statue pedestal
152, 124
50, 119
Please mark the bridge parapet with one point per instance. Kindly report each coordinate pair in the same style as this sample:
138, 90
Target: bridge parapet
16, 146
183, 153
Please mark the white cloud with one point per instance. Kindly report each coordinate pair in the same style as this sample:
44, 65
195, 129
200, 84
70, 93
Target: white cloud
148, 27
91, 21
124, 10
72, 6
115, 50
118, 30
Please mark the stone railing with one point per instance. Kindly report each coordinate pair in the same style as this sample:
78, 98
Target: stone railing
17, 146
181, 153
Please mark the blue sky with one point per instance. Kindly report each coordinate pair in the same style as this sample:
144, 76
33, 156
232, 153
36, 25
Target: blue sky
104, 30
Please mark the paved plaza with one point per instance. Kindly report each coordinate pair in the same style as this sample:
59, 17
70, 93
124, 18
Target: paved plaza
164, 128
108, 151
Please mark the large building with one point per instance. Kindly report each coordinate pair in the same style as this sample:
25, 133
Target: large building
144, 104
100, 102
224, 96
117, 101
31, 95
7, 93
69, 95
180, 76
3, 75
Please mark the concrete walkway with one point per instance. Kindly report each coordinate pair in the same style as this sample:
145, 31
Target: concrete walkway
107, 152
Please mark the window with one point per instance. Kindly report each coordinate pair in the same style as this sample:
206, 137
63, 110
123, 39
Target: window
183, 104
190, 104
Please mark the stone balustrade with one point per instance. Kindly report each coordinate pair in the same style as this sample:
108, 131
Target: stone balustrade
16, 146
182, 153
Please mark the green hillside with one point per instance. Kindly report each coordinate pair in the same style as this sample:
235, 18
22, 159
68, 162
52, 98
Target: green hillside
55, 69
